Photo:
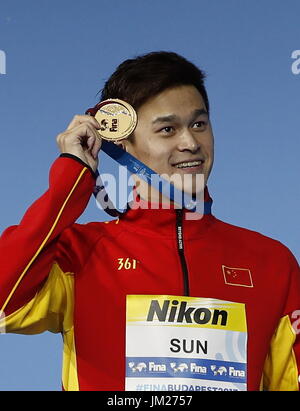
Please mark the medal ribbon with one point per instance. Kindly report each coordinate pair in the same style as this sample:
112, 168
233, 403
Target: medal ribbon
137, 167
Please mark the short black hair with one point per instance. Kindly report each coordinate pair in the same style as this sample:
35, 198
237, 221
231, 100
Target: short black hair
136, 80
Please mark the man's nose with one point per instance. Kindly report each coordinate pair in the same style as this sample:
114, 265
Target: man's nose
187, 141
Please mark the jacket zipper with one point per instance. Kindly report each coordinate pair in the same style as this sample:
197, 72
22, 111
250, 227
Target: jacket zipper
180, 247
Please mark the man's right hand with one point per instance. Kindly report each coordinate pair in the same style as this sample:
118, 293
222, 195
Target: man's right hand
82, 140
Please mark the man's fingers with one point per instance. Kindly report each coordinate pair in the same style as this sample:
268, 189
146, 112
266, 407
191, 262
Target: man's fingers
90, 142
93, 141
77, 135
81, 139
81, 119
97, 146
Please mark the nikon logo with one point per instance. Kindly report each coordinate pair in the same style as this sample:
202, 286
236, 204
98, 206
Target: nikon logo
173, 311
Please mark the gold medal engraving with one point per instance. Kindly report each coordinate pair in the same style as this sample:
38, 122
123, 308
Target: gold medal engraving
117, 119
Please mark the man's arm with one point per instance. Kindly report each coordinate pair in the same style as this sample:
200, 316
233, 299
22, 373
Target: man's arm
282, 366
29, 250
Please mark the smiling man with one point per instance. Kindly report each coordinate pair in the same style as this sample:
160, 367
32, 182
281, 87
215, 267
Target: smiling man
152, 300
174, 136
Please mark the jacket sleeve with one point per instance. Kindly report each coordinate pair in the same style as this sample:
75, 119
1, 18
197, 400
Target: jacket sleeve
282, 365
34, 292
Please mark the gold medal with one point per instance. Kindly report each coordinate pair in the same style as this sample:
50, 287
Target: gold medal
117, 119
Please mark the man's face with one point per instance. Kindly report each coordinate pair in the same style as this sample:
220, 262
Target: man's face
174, 137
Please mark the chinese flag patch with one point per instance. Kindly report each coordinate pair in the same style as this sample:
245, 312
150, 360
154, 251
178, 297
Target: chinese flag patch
237, 276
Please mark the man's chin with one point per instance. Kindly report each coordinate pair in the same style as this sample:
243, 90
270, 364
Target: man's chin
188, 183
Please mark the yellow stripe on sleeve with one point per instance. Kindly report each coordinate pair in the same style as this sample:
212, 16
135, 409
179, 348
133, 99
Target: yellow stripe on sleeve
280, 370
45, 240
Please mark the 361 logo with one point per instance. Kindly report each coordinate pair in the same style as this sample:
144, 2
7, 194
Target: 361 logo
296, 64
127, 263
2, 62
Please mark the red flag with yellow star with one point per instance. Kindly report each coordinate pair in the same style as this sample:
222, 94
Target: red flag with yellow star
237, 276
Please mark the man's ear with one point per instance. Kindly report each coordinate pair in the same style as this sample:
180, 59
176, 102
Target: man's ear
127, 143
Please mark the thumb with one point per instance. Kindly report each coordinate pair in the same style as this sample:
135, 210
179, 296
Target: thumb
96, 147
90, 142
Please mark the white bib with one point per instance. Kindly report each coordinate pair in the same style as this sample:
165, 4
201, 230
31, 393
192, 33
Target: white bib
185, 344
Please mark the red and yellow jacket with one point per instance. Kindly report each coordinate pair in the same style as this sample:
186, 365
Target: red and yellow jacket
70, 278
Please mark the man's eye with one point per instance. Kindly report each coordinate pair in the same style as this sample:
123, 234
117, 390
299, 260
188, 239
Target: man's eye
167, 129
200, 124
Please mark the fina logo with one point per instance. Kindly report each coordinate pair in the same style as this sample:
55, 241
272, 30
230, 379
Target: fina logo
218, 370
2, 62
182, 367
232, 372
141, 366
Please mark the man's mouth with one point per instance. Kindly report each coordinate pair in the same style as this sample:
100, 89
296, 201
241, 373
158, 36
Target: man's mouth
189, 164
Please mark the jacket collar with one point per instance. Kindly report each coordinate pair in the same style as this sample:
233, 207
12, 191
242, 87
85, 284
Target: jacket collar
153, 220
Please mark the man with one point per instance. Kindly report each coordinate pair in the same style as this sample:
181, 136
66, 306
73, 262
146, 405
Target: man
151, 278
